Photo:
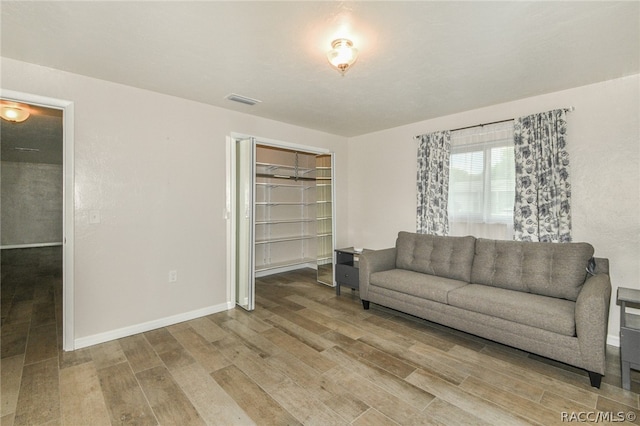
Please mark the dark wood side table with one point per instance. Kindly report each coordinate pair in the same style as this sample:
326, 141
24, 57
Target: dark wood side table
347, 272
629, 334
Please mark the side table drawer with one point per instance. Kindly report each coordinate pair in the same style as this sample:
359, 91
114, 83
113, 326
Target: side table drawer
347, 275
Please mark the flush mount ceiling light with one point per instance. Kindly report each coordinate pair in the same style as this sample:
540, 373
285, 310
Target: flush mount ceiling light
14, 112
342, 54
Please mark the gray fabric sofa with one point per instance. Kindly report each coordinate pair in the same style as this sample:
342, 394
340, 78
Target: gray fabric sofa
538, 297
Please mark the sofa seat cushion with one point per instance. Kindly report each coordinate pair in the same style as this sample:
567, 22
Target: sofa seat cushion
416, 284
448, 257
547, 313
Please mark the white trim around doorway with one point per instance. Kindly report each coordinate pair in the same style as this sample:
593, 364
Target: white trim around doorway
68, 205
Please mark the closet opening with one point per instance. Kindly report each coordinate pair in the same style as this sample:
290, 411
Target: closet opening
284, 213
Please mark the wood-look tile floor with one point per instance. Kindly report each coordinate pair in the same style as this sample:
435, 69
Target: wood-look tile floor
304, 356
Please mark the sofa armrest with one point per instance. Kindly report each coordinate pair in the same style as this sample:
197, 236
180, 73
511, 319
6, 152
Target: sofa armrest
374, 261
592, 318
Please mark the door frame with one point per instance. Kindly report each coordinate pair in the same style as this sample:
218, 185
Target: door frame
68, 205
230, 207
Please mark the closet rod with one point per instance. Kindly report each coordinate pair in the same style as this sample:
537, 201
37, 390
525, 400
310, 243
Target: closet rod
266, 175
569, 109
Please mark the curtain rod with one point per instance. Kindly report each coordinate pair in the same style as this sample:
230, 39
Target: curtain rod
569, 109
481, 125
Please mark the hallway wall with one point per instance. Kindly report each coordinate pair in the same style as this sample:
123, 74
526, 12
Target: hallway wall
31, 211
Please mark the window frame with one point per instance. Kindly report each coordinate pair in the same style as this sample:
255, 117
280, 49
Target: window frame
485, 216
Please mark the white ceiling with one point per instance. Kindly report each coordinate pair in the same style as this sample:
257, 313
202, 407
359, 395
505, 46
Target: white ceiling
418, 60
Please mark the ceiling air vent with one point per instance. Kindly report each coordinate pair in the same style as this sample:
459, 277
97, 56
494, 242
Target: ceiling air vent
242, 99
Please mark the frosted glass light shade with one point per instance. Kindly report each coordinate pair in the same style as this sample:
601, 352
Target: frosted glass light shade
14, 113
342, 55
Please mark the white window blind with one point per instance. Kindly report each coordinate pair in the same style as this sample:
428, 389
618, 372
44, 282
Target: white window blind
482, 181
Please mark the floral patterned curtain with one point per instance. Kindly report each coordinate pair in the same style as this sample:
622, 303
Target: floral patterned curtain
433, 183
542, 204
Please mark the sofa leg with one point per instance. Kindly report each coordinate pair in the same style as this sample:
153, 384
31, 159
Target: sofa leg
595, 379
365, 304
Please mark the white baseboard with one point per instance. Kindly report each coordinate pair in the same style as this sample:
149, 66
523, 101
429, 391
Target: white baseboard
613, 341
95, 339
31, 245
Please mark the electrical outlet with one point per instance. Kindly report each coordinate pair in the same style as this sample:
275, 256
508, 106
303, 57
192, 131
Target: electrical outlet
173, 276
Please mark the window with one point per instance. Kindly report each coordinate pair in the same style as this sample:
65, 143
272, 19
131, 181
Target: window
482, 181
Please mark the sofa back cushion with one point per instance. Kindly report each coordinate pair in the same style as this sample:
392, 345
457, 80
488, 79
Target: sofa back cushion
548, 269
448, 257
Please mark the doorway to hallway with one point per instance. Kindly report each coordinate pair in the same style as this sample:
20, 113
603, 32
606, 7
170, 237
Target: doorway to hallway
38, 155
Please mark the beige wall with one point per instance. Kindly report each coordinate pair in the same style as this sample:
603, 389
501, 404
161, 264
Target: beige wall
604, 148
153, 166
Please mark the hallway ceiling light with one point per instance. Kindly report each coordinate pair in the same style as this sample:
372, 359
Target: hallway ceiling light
342, 54
14, 112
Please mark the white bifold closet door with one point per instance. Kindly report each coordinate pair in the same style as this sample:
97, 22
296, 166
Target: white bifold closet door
283, 213
245, 238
